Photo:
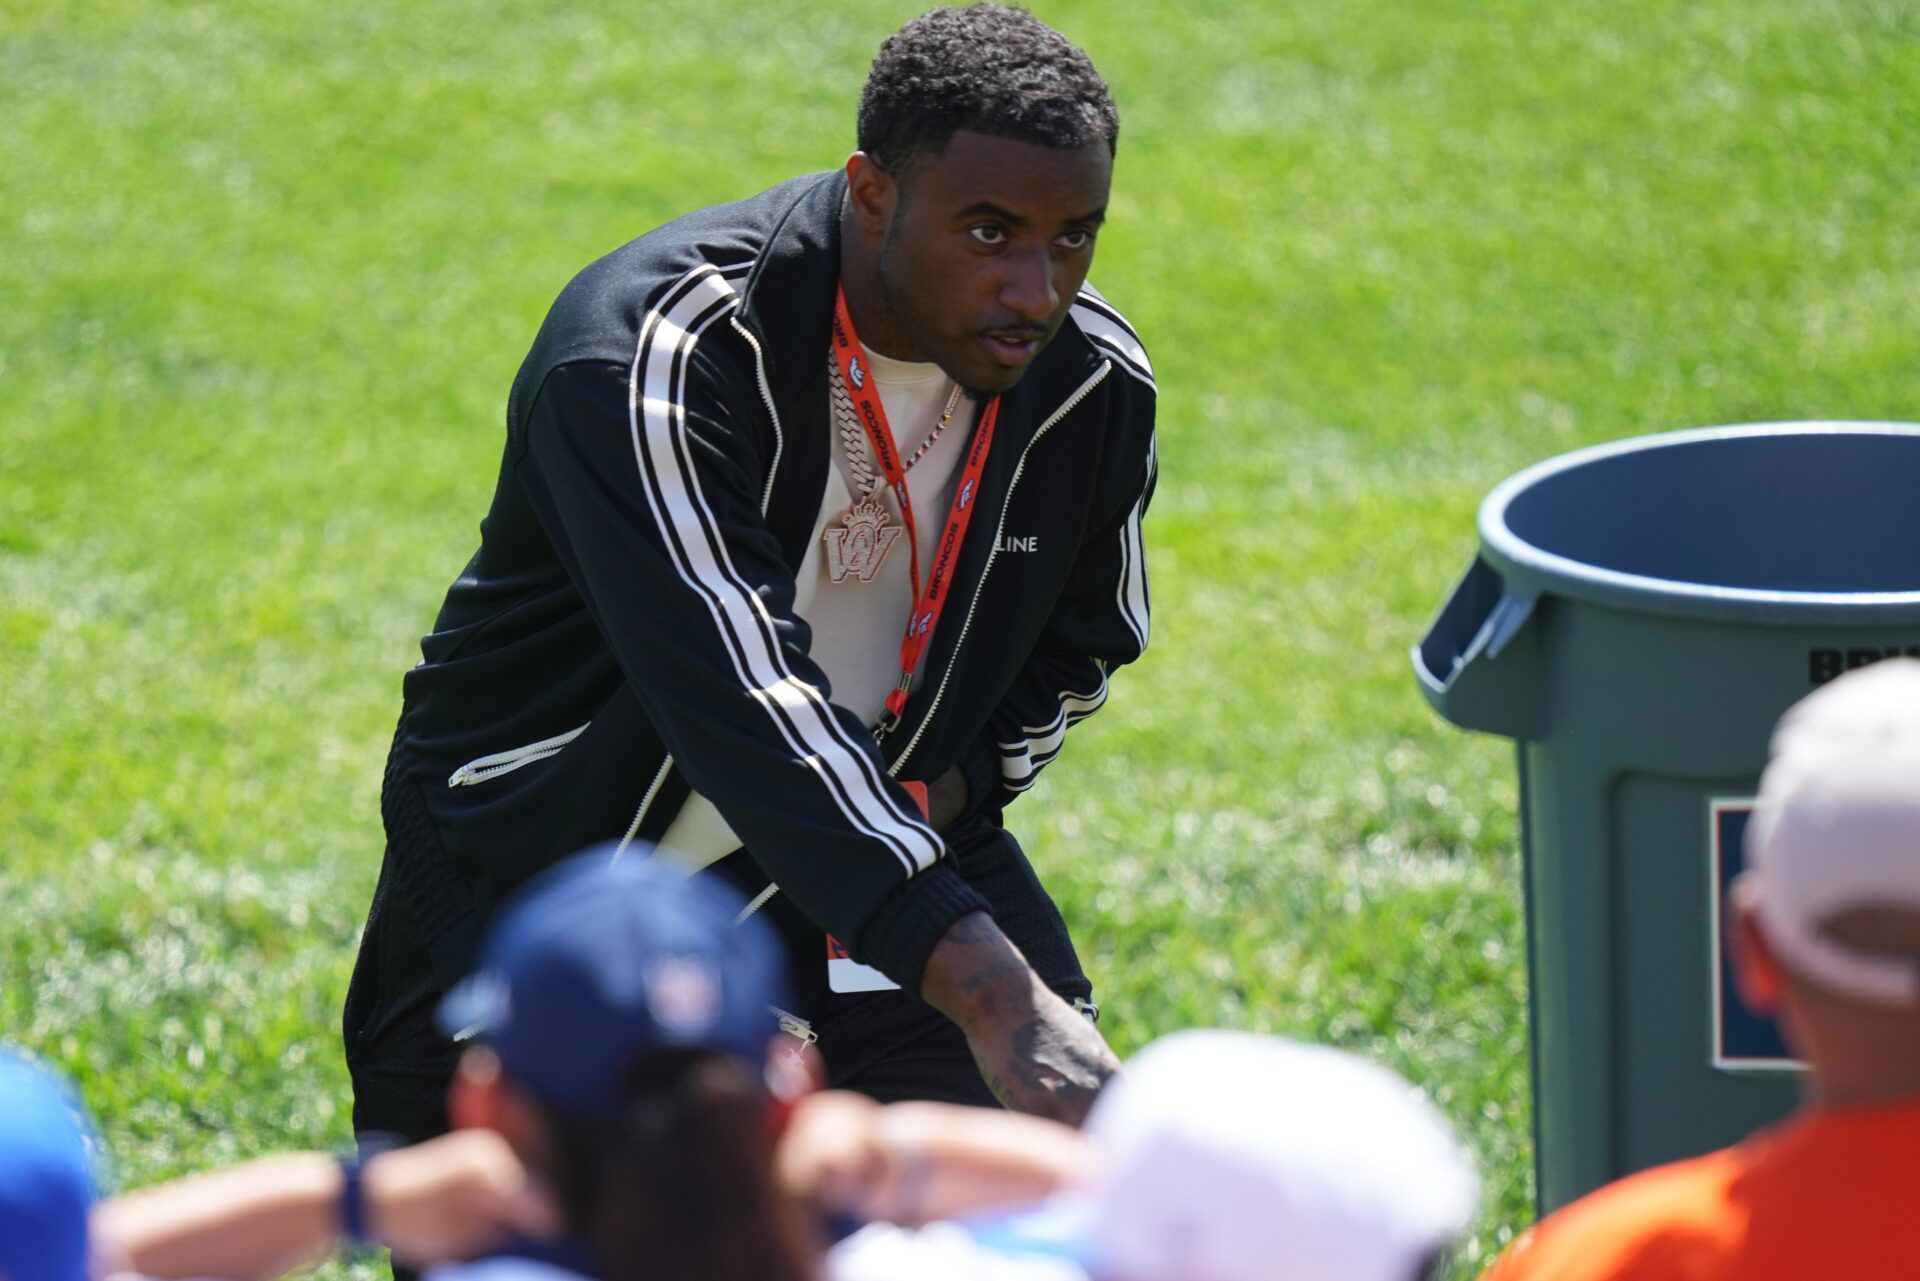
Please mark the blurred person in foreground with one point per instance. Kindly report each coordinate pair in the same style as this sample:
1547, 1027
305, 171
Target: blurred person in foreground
621, 1037
615, 1112
1218, 1156
448, 1198
1826, 936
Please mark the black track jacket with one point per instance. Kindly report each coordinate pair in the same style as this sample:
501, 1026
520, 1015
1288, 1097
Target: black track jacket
626, 631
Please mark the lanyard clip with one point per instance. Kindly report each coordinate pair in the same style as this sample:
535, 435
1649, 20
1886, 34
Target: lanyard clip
889, 719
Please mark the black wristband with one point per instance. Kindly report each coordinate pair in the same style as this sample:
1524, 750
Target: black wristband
353, 1202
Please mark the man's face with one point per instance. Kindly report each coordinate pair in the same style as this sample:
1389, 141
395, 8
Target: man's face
986, 249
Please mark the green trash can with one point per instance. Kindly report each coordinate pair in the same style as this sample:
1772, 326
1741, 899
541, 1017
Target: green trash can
1638, 617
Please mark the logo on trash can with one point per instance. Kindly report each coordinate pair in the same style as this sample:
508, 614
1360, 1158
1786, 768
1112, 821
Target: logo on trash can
1824, 665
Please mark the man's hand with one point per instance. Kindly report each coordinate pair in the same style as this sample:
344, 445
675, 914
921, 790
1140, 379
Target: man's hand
1036, 1053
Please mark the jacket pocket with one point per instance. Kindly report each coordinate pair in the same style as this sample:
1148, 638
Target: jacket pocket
491, 767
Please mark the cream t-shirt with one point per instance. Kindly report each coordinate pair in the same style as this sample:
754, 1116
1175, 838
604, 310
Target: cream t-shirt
857, 624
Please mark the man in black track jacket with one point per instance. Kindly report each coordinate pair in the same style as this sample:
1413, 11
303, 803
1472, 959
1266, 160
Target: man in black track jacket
683, 630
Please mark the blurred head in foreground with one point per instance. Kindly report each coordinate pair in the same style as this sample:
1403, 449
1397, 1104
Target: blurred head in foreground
620, 1024
1233, 1157
1828, 912
46, 1175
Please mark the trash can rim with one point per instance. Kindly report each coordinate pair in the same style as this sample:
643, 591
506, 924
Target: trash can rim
1561, 575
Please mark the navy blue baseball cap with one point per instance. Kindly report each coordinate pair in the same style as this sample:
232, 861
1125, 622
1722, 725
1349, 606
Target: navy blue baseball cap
600, 959
46, 1174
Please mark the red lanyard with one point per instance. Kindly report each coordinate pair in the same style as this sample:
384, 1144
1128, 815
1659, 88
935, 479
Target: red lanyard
930, 600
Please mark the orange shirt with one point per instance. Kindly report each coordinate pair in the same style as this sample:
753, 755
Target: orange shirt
1829, 1193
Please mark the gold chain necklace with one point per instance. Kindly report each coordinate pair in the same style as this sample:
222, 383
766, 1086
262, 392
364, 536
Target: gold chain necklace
853, 439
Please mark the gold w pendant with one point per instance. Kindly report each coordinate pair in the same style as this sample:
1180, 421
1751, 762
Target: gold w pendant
862, 545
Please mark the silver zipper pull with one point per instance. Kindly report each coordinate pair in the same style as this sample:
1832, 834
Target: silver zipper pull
794, 1025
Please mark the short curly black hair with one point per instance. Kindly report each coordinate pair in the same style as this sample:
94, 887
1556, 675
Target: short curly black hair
990, 68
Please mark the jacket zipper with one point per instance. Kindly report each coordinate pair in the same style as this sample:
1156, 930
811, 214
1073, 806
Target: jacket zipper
761, 899
1106, 367
486, 767
646, 803
766, 394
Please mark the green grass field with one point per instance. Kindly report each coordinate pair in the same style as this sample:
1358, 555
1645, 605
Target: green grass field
269, 266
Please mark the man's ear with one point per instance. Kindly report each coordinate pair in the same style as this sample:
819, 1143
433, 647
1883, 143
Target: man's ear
872, 194
1755, 971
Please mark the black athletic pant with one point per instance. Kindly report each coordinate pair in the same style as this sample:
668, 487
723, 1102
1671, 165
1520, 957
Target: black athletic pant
884, 1044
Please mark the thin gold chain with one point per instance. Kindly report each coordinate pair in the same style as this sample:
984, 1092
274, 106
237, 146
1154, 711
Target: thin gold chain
854, 439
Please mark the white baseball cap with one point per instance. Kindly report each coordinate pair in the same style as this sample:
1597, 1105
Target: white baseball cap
1235, 1157
1837, 828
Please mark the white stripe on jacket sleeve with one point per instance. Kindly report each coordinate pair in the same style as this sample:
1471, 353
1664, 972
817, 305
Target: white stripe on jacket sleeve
657, 421
1131, 596
1107, 329
1021, 761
